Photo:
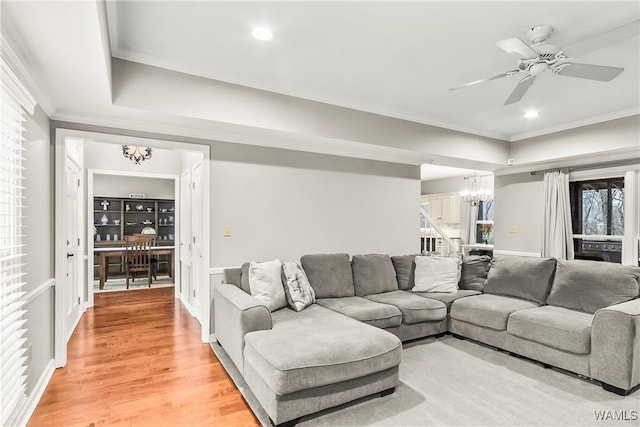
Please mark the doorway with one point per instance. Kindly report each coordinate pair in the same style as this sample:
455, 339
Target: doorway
190, 155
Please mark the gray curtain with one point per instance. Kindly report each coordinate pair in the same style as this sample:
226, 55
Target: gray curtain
558, 236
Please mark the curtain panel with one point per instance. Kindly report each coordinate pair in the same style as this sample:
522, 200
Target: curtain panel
558, 235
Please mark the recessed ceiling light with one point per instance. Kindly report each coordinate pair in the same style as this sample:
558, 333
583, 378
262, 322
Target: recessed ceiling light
530, 114
262, 33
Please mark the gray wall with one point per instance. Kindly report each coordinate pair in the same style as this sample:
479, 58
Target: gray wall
39, 243
284, 203
122, 186
519, 202
454, 184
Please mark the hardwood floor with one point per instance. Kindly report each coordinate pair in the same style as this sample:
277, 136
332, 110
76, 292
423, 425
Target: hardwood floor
136, 359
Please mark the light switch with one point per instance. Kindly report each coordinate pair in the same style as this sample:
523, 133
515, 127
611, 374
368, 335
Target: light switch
227, 231
513, 229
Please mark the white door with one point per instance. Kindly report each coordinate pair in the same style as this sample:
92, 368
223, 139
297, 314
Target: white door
69, 223
72, 239
186, 238
198, 278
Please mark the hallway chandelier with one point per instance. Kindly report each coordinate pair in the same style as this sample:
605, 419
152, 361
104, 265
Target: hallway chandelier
136, 154
473, 195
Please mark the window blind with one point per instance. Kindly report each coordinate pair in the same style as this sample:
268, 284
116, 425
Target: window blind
13, 368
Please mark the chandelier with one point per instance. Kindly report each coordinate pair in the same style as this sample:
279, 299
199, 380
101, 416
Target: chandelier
473, 195
136, 154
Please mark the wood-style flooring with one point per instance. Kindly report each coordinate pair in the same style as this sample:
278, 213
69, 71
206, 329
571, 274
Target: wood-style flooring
136, 359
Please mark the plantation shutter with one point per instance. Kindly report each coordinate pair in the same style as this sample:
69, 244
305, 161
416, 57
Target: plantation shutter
15, 102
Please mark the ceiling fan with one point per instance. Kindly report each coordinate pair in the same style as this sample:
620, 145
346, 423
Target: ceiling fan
540, 56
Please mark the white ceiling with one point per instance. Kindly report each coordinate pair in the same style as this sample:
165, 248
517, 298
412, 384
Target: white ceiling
393, 58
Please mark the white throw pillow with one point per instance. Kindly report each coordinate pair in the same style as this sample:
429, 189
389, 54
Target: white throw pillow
297, 288
436, 274
265, 282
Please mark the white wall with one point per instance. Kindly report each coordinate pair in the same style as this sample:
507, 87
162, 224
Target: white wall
519, 202
122, 186
106, 156
39, 246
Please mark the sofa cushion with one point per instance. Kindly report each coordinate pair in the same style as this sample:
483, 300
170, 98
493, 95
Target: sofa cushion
329, 274
448, 297
364, 310
521, 277
316, 347
592, 285
414, 309
474, 272
265, 281
297, 289
436, 274
490, 311
405, 267
557, 327
373, 274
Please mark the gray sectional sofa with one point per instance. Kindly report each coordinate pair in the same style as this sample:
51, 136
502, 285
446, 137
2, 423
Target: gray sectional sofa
582, 316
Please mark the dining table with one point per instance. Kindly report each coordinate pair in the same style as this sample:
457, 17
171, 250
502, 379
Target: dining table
106, 252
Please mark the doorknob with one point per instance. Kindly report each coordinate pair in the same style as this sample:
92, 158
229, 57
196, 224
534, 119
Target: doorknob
69, 255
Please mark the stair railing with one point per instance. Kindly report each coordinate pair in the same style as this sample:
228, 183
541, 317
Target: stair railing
432, 233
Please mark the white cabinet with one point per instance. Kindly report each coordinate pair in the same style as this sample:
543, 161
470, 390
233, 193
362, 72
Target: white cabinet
443, 208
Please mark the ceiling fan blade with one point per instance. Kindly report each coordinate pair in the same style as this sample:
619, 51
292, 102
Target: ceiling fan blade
520, 90
499, 76
591, 72
603, 40
517, 47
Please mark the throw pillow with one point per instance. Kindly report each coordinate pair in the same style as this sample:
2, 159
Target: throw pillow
436, 274
265, 281
297, 289
405, 270
474, 272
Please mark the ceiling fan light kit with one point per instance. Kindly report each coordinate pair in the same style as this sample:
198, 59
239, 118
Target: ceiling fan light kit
539, 56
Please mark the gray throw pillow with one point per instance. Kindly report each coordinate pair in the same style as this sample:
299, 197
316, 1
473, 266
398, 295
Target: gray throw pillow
521, 277
405, 267
591, 285
296, 286
373, 274
474, 272
244, 278
329, 275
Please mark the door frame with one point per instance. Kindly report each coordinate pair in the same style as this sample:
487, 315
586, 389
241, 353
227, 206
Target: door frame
91, 173
62, 331
60, 342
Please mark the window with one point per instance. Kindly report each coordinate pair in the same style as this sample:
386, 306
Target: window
12, 297
597, 216
597, 207
484, 222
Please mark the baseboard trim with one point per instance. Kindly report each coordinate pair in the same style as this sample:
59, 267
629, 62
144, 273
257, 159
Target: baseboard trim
517, 253
35, 293
188, 307
34, 398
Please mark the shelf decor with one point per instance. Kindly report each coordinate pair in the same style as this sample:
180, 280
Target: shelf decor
135, 153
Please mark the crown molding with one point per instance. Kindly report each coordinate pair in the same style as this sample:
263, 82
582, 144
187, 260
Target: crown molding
577, 124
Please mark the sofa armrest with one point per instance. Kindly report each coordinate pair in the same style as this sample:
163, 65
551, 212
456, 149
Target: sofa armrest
615, 345
236, 314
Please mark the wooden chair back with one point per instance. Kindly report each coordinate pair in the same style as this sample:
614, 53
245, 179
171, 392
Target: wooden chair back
138, 255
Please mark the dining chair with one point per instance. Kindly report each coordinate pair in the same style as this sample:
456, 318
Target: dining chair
138, 256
